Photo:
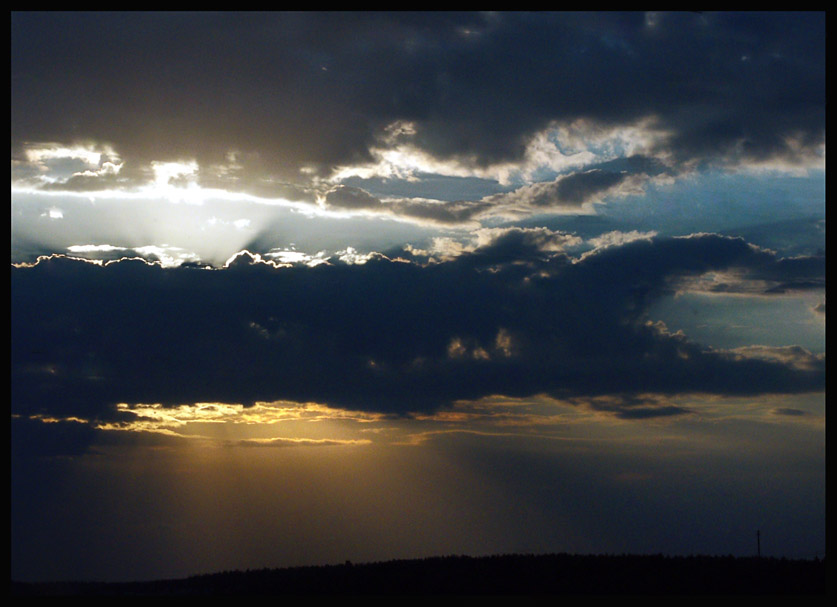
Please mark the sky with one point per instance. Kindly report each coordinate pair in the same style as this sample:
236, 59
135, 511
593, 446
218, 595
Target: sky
301, 288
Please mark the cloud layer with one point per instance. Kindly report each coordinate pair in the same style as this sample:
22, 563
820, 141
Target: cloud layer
265, 101
514, 316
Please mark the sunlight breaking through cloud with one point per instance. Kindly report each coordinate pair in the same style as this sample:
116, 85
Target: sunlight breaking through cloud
155, 417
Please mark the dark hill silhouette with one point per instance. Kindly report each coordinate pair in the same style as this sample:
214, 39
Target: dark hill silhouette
493, 575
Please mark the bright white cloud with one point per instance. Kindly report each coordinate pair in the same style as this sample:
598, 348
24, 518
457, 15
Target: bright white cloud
53, 213
617, 238
293, 257
169, 256
91, 155
94, 248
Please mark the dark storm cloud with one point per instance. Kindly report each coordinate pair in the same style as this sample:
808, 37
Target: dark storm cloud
32, 438
514, 317
316, 90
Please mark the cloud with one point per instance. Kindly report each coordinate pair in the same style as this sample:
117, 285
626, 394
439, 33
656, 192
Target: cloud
346, 197
35, 438
299, 442
498, 247
426, 211
166, 255
574, 192
788, 411
578, 189
515, 316
618, 238
792, 356
456, 213
292, 97
632, 406
779, 276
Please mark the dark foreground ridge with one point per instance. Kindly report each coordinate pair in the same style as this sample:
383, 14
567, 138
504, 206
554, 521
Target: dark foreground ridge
557, 574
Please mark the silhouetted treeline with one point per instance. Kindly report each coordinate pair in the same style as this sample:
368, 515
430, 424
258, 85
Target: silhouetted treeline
494, 575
